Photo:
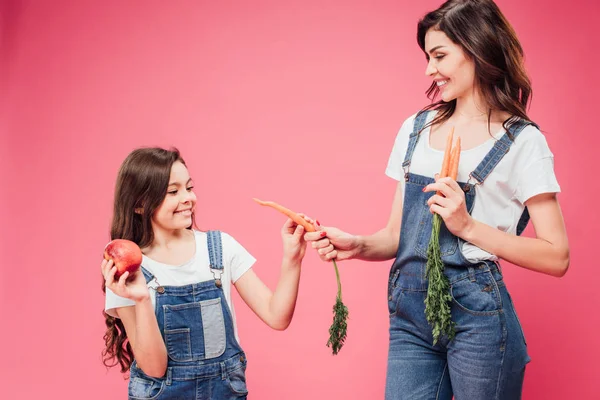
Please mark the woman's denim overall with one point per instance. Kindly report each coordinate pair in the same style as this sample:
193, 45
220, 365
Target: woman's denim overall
486, 359
205, 360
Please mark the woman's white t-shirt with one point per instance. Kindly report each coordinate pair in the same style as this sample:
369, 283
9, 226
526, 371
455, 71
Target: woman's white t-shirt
236, 261
525, 171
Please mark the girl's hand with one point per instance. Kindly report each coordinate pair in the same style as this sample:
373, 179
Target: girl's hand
134, 289
451, 206
333, 243
294, 245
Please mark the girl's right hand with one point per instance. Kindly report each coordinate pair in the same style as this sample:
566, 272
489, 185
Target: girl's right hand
134, 289
333, 243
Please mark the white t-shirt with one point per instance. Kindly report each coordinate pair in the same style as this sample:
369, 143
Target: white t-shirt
236, 261
525, 171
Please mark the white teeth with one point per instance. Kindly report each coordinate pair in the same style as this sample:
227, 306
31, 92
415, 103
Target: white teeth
441, 83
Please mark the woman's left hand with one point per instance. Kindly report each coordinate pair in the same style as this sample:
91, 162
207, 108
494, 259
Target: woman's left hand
450, 205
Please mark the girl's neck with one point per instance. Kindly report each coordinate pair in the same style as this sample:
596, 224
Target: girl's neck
166, 239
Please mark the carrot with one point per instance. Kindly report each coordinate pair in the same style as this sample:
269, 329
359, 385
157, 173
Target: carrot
453, 170
446, 162
339, 326
447, 157
286, 211
437, 300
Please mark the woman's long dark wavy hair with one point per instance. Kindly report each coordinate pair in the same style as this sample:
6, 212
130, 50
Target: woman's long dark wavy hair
488, 39
142, 183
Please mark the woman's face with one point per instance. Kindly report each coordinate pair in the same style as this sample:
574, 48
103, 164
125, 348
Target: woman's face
448, 66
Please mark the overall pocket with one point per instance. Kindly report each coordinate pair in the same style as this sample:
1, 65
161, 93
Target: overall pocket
195, 331
477, 295
236, 379
393, 294
143, 387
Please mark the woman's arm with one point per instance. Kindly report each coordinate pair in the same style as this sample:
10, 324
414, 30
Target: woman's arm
547, 253
380, 246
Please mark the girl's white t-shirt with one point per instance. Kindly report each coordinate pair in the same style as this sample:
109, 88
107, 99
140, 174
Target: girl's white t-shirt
525, 171
236, 261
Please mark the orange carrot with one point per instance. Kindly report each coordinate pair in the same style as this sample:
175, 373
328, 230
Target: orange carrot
447, 157
339, 326
446, 162
286, 211
453, 171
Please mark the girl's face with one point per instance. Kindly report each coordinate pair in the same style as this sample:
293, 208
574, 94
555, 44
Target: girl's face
448, 66
175, 212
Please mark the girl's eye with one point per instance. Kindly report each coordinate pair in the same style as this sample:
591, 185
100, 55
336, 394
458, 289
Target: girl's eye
190, 188
172, 192
439, 56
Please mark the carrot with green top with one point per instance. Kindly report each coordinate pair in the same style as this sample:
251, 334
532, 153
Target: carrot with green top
337, 330
438, 299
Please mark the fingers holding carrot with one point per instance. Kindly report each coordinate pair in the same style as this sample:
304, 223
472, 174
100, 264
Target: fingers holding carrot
327, 251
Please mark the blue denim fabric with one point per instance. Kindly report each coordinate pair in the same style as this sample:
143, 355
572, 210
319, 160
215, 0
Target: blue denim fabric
205, 360
486, 360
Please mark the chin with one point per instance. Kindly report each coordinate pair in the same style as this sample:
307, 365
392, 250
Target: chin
447, 97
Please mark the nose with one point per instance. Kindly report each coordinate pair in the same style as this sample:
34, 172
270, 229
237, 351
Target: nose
188, 196
431, 69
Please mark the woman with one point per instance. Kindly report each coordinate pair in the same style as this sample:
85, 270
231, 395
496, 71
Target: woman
505, 178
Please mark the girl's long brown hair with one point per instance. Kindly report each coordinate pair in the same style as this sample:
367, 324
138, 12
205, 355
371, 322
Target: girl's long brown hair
486, 36
142, 183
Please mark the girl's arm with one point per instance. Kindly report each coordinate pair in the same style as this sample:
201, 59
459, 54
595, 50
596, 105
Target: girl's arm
380, 246
139, 321
277, 308
547, 253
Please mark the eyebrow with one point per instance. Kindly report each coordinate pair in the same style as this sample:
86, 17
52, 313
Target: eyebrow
177, 183
435, 48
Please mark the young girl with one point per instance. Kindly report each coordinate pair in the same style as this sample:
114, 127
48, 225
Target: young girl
172, 324
505, 178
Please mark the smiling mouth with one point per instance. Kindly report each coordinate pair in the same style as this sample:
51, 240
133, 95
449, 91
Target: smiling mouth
441, 83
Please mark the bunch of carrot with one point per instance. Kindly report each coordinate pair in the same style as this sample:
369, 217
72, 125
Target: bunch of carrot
438, 299
337, 330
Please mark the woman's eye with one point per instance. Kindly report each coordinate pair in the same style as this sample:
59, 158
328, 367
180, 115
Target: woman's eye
172, 192
439, 56
190, 188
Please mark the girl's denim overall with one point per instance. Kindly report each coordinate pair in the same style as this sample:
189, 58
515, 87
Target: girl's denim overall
205, 360
486, 360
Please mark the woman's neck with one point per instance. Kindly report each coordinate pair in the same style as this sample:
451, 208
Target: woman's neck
473, 108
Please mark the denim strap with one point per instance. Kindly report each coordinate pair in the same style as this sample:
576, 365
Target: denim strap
493, 157
499, 150
420, 120
215, 249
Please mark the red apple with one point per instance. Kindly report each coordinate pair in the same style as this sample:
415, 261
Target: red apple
125, 254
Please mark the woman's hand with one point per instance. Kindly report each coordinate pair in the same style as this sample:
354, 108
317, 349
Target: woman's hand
449, 203
333, 243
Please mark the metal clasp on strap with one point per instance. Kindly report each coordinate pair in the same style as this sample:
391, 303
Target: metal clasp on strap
405, 168
156, 286
218, 282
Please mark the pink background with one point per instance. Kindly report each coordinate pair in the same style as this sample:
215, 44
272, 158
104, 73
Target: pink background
297, 102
